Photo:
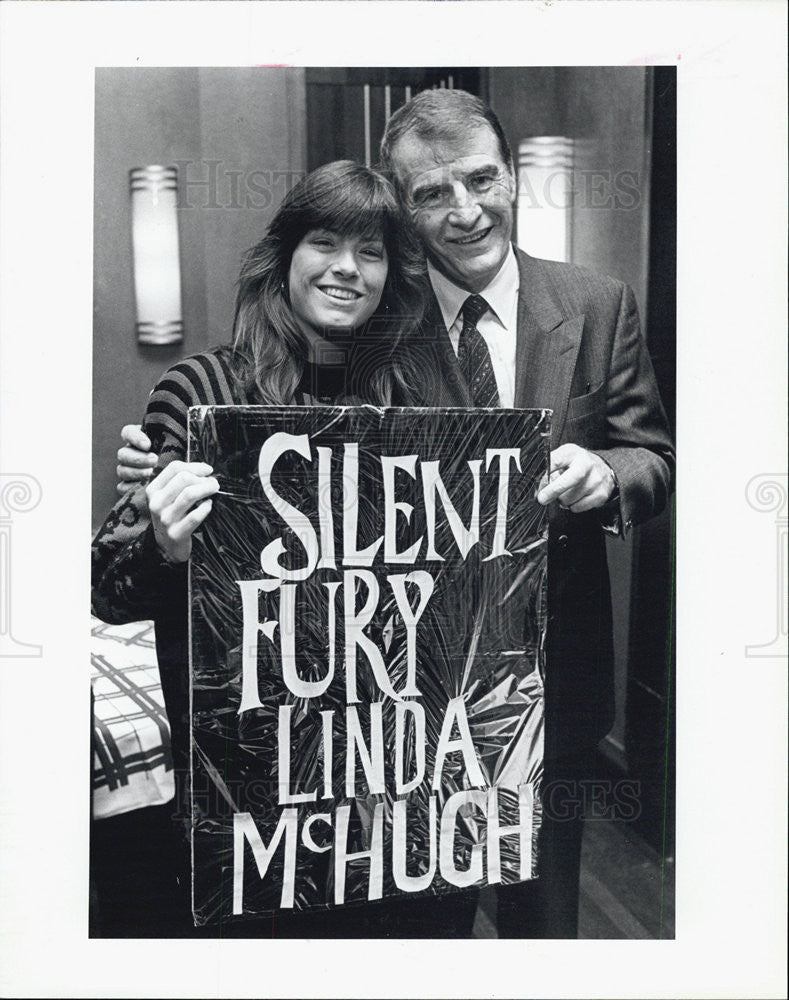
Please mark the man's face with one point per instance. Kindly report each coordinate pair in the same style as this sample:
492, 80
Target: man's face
459, 195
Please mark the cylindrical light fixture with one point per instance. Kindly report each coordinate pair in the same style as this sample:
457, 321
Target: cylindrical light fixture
545, 190
157, 270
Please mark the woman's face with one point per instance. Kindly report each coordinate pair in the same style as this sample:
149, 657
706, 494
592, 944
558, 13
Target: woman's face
336, 282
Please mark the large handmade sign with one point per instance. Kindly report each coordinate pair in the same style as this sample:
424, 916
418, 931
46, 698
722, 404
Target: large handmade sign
367, 627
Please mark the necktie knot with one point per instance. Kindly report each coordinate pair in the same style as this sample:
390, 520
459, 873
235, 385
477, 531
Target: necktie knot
473, 309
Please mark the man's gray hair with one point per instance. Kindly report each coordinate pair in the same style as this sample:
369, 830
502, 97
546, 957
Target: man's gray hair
440, 115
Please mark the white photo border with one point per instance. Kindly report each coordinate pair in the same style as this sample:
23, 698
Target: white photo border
731, 392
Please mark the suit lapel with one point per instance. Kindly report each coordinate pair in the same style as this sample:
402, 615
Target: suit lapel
547, 346
451, 387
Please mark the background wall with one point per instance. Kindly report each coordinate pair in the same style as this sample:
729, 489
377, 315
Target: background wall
238, 139
605, 109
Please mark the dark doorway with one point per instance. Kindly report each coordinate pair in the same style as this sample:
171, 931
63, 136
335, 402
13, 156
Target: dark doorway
347, 109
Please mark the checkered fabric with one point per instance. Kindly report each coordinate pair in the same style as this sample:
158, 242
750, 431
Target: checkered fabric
132, 760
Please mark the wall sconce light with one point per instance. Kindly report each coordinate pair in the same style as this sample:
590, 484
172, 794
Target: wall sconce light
545, 191
157, 271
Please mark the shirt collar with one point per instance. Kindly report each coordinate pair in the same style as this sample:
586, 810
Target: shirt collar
499, 293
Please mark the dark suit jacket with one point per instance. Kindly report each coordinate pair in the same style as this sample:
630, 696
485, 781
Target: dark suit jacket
580, 353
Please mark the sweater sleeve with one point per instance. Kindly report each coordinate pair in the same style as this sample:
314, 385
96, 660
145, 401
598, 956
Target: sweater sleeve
130, 579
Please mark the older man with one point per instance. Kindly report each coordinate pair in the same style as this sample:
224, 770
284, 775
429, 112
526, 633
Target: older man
505, 329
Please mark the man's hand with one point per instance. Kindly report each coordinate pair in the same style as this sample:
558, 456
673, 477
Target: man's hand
580, 480
179, 500
136, 461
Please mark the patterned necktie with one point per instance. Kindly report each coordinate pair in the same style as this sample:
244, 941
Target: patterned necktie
474, 357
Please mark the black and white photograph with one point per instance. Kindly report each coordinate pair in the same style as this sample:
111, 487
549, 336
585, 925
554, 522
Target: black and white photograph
381, 207
399, 541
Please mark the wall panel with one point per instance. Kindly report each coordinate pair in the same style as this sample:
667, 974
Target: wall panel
238, 138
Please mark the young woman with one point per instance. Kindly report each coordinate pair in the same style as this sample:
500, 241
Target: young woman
326, 305
335, 261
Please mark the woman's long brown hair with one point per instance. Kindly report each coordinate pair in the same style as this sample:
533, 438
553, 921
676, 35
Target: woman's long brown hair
269, 346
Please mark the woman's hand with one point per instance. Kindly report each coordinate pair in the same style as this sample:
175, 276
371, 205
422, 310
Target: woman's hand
136, 461
179, 500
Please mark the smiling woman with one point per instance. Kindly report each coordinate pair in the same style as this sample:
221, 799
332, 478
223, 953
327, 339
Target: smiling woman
337, 258
336, 281
325, 302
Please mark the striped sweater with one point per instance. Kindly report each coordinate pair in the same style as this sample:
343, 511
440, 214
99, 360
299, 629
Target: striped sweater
130, 579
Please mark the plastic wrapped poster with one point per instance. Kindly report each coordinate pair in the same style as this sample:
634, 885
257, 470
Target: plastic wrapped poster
367, 625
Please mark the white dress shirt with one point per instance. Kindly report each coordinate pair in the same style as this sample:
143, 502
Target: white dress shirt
498, 326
